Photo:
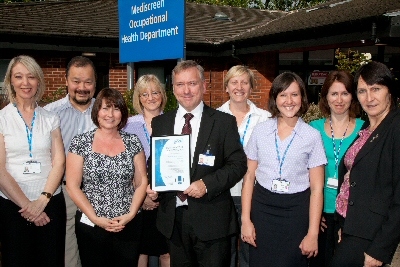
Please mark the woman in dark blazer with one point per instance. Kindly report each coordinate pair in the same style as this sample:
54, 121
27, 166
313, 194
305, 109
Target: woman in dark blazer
369, 197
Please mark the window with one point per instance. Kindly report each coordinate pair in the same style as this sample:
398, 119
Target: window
3, 70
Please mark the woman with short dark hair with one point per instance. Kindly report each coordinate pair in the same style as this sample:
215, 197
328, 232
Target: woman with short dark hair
368, 203
106, 178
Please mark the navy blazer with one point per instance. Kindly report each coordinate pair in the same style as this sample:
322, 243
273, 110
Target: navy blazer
373, 210
213, 215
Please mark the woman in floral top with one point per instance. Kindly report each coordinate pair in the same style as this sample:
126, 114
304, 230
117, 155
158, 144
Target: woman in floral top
369, 197
111, 166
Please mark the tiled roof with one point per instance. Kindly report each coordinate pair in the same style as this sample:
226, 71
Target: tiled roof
99, 19
329, 13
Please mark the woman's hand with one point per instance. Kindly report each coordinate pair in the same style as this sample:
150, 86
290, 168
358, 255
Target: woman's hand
153, 195
42, 220
249, 233
121, 221
149, 204
309, 245
33, 209
108, 224
371, 262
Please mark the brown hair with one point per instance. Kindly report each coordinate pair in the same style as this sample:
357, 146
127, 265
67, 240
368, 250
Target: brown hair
114, 98
346, 79
280, 84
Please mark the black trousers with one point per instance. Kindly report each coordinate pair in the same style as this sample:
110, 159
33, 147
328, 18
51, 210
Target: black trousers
187, 250
24, 244
98, 247
327, 242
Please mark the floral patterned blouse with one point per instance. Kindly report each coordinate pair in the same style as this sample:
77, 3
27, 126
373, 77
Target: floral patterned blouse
107, 181
343, 196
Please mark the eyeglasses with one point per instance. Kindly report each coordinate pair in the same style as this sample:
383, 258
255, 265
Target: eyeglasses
153, 94
191, 84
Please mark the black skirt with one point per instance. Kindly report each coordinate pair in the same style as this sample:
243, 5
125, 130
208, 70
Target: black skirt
281, 223
152, 242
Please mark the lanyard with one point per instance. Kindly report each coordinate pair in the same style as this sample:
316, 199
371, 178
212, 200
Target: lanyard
146, 133
245, 130
284, 153
28, 131
336, 154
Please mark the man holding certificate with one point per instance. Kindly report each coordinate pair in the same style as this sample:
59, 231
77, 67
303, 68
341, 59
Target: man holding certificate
199, 221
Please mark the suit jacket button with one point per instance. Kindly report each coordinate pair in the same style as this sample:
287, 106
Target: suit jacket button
353, 184
351, 203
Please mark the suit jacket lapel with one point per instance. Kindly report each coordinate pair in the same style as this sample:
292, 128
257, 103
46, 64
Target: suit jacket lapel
376, 137
206, 125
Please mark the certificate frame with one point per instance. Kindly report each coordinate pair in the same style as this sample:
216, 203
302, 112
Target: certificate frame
170, 164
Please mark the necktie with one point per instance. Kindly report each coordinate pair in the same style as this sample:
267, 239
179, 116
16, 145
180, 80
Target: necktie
186, 129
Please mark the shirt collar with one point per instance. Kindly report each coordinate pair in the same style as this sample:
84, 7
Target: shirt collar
274, 127
254, 111
196, 112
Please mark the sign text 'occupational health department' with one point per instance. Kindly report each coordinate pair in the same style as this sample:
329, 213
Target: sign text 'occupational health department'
153, 30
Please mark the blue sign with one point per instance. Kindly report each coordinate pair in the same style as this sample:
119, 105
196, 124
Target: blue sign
151, 30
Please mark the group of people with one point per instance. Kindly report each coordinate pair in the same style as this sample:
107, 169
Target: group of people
74, 175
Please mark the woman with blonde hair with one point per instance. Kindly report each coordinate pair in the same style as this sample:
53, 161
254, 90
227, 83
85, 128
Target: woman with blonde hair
149, 100
32, 160
239, 83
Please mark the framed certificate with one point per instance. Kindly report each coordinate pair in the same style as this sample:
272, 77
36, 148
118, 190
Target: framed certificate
170, 165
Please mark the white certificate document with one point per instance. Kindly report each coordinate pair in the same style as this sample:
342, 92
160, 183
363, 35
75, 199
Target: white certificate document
170, 165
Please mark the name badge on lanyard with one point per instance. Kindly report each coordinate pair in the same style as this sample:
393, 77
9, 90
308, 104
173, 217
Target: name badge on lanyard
332, 182
31, 166
281, 185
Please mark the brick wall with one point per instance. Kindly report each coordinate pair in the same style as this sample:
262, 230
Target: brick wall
262, 64
117, 74
54, 73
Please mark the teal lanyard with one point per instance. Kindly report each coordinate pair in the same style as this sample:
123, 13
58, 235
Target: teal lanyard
146, 133
245, 130
28, 131
336, 154
284, 153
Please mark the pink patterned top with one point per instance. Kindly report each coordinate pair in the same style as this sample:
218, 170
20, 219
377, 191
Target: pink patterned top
343, 196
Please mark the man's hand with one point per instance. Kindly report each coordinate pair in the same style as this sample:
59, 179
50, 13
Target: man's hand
197, 189
371, 262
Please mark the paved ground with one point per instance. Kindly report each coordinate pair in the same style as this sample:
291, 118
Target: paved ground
396, 258
395, 262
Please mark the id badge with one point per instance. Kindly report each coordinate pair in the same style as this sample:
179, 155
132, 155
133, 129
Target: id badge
280, 186
32, 167
332, 183
85, 220
207, 160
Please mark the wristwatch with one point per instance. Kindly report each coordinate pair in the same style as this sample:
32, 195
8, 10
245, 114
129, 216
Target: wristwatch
48, 195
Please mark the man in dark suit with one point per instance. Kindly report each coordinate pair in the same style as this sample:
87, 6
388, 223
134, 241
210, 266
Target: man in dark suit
199, 224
